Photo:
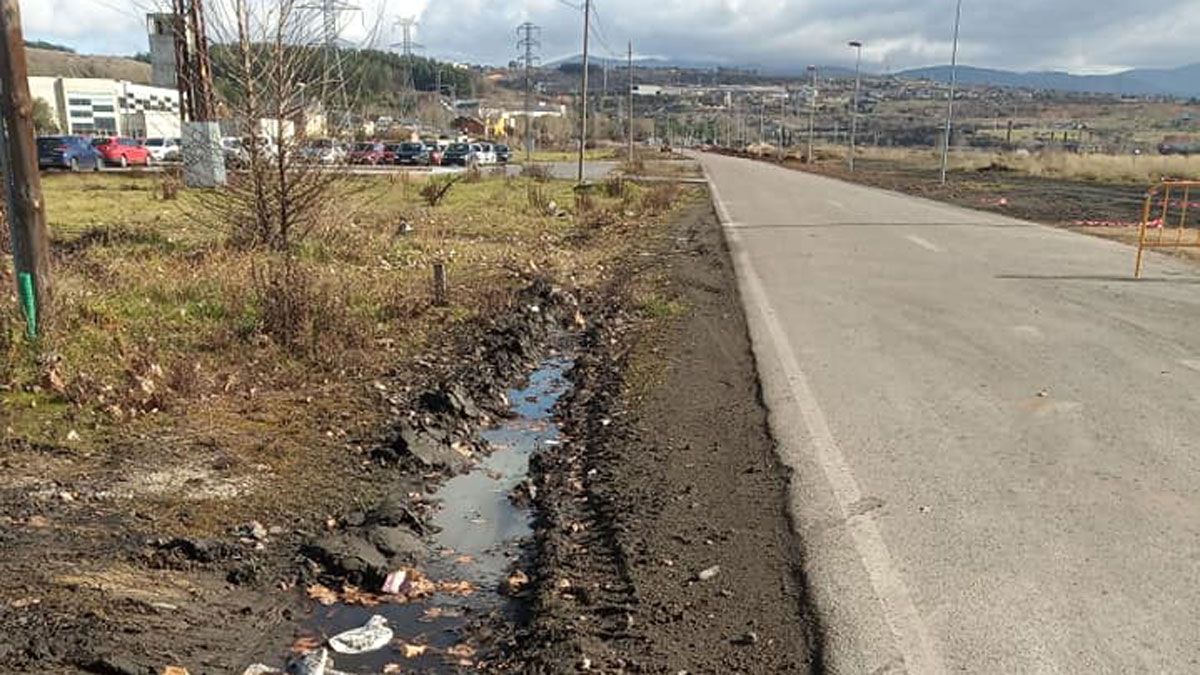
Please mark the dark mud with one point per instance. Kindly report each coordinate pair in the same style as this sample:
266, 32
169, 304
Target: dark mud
89, 583
478, 529
664, 541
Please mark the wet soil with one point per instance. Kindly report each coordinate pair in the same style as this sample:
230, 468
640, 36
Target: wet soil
664, 543
479, 529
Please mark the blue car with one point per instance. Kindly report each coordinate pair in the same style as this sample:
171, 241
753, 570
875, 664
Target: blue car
74, 153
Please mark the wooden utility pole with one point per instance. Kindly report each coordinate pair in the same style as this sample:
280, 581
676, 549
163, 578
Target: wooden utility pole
631, 102
583, 116
26, 208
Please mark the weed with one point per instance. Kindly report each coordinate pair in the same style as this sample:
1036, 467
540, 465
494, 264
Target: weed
436, 191
537, 172
539, 201
614, 187
660, 198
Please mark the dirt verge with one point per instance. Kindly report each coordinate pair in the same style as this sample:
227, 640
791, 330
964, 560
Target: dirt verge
664, 543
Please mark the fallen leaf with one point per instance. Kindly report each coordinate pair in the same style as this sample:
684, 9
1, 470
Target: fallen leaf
355, 596
461, 651
391, 668
413, 651
322, 594
21, 603
174, 670
462, 588
305, 644
464, 560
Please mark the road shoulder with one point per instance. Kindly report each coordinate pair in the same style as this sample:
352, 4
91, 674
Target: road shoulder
665, 544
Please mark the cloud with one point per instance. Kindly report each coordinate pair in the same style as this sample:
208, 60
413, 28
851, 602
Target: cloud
1022, 34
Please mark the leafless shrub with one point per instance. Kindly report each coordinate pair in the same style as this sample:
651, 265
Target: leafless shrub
615, 187
539, 201
284, 295
660, 198
634, 168
435, 191
537, 172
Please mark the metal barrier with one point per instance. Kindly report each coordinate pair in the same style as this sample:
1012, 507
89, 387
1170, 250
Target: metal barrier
1177, 194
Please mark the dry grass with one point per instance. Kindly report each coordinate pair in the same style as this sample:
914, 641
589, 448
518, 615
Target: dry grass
160, 329
1070, 166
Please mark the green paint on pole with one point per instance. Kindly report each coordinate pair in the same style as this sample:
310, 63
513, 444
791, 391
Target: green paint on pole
29, 304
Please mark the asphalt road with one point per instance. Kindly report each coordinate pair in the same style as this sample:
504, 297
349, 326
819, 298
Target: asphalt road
995, 433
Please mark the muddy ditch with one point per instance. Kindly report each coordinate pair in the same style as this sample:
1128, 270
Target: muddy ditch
439, 570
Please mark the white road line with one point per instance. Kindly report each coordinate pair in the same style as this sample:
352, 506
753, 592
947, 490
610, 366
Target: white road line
836, 204
925, 243
900, 613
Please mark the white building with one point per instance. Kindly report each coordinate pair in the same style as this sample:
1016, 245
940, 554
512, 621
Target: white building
94, 106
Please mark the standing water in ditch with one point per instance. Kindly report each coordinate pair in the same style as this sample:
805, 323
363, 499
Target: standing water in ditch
480, 532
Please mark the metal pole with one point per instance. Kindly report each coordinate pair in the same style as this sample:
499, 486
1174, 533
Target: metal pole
854, 114
26, 206
953, 86
782, 121
812, 114
631, 102
583, 117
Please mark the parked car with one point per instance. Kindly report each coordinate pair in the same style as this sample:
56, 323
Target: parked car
462, 154
436, 152
487, 153
237, 150
121, 151
235, 153
503, 154
67, 152
165, 149
370, 153
413, 154
324, 151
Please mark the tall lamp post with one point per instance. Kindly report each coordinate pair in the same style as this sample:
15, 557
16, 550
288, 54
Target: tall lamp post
855, 44
812, 113
953, 86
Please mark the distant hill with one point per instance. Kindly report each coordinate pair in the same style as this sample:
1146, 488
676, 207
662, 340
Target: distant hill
54, 63
1183, 81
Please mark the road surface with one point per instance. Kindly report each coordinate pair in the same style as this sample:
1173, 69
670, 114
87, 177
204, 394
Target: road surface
996, 434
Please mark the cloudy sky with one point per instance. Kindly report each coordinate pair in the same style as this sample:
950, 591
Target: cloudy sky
1076, 35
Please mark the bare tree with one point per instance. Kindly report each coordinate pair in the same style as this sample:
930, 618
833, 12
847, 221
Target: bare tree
273, 78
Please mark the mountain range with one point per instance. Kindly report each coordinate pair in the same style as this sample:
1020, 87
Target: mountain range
1182, 82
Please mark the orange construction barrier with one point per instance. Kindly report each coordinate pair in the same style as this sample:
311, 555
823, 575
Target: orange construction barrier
1171, 224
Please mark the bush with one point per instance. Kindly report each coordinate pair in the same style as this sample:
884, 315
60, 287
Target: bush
539, 201
537, 172
614, 187
435, 191
661, 197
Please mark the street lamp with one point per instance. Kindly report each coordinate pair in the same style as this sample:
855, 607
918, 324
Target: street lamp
812, 113
953, 83
855, 44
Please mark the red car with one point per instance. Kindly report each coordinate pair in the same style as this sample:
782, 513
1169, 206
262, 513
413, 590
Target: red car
116, 151
371, 153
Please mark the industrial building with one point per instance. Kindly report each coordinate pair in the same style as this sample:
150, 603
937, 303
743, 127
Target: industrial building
96, 107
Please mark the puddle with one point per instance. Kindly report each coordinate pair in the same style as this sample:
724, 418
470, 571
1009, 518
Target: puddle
481, 536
